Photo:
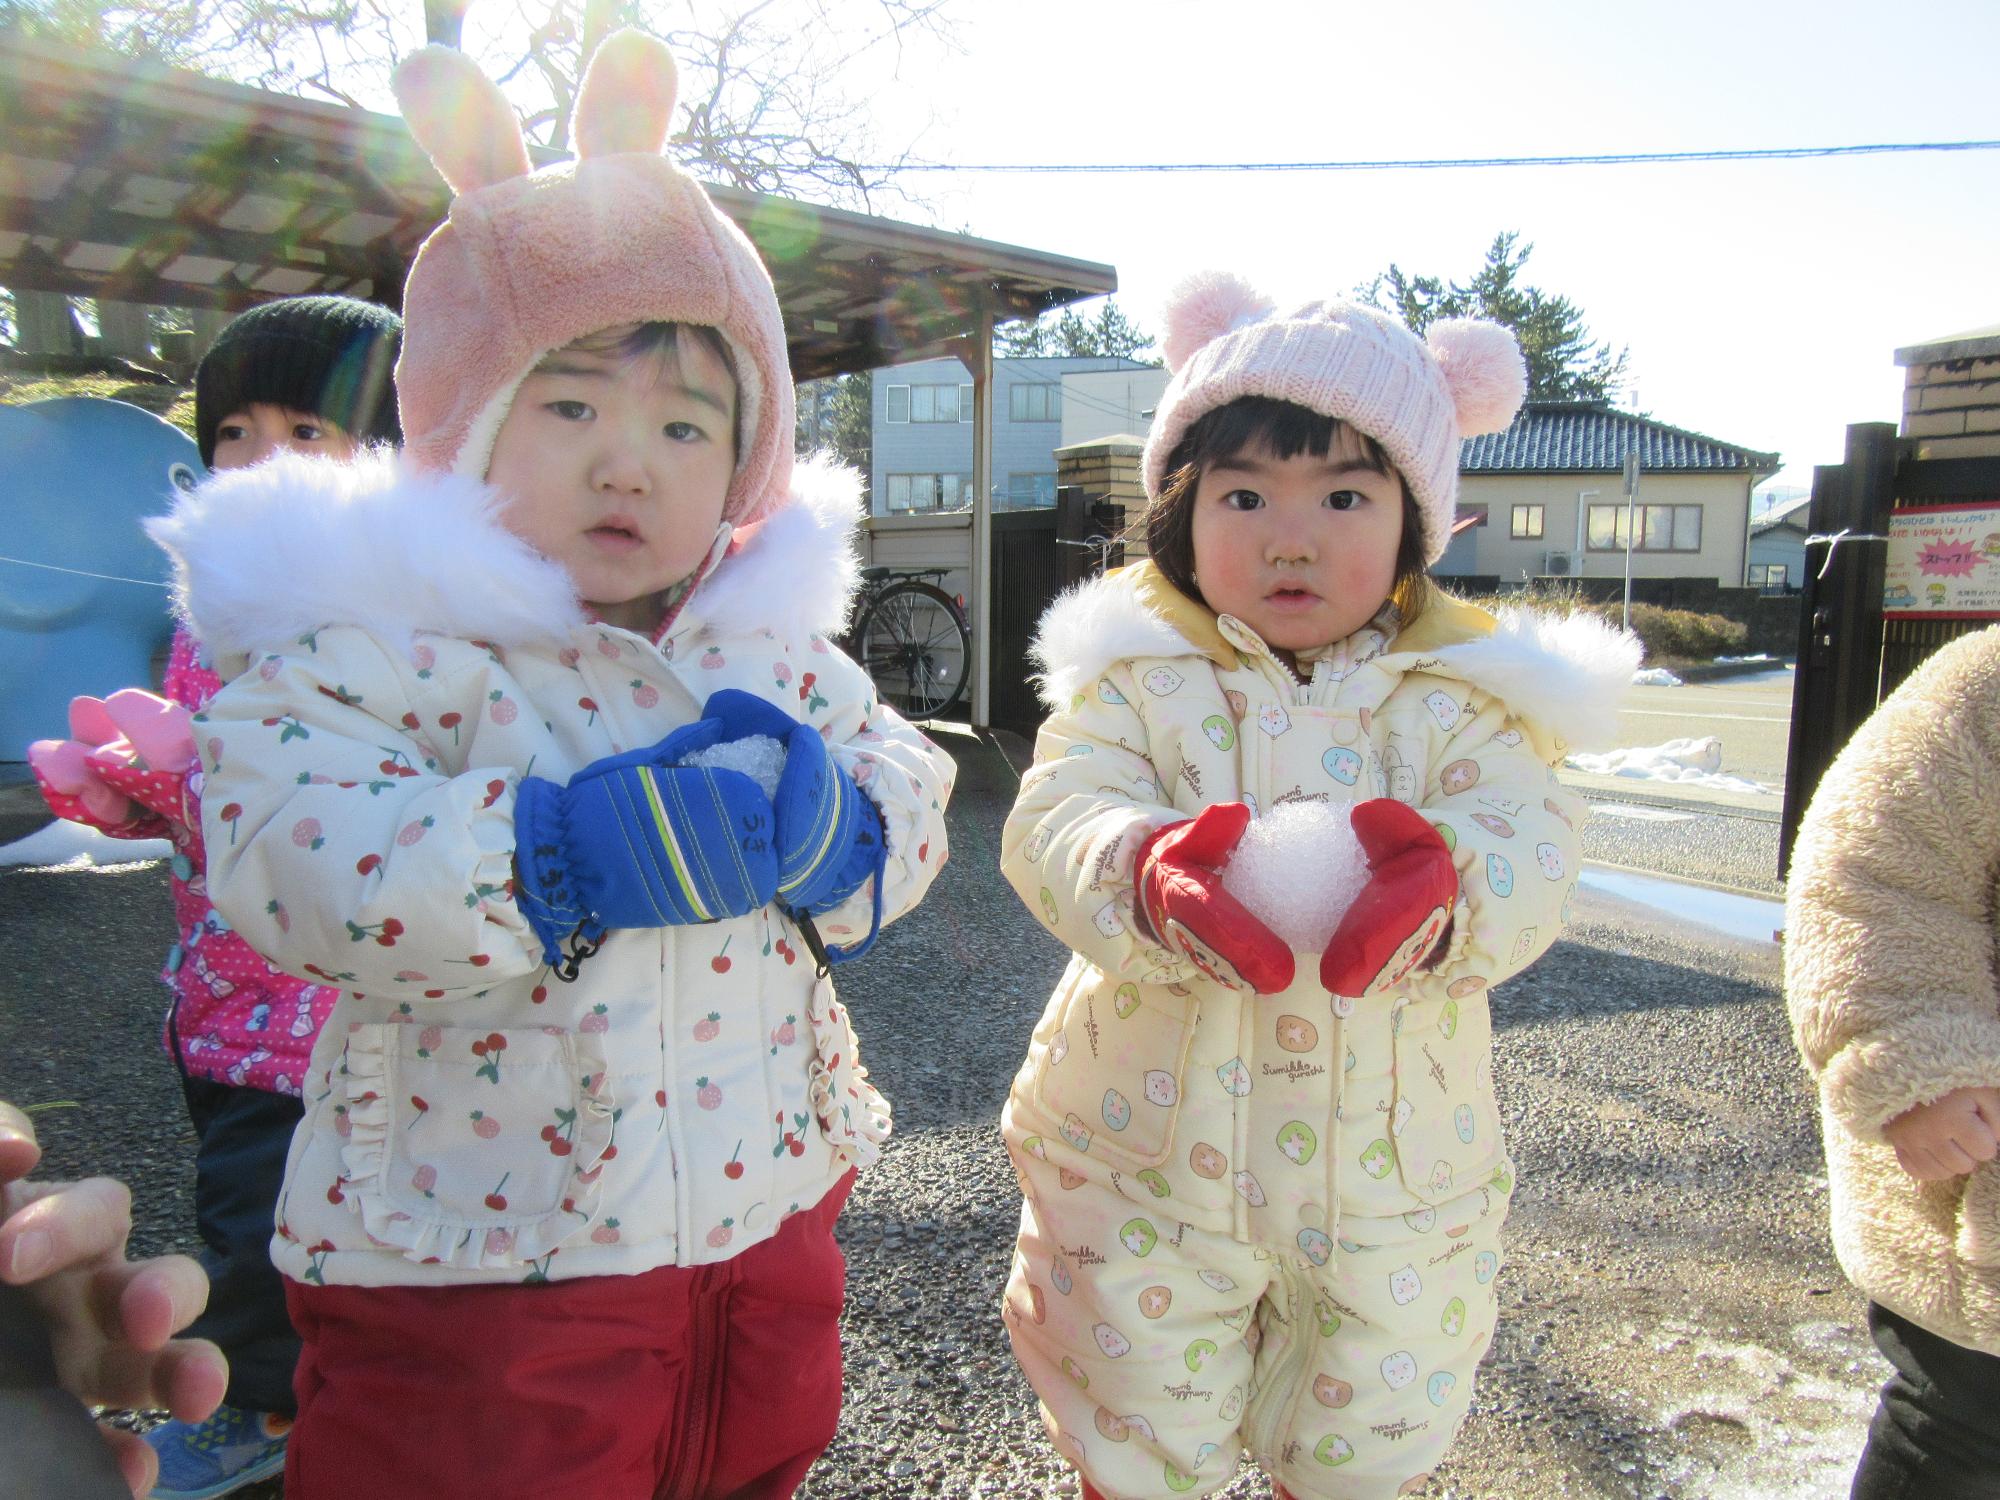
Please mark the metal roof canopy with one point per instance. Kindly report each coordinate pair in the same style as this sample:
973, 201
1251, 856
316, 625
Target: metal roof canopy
148, 184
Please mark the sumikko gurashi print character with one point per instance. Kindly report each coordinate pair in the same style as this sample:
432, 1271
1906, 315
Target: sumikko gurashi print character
1318, 799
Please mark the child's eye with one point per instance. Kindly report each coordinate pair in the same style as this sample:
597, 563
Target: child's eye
307, 432
1345, 499
1242, 500
570, 411
682, 432
231, 432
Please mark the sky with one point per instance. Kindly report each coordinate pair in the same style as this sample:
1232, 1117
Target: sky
1762, 302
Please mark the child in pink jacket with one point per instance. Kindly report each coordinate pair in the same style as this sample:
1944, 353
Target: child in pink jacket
308, 375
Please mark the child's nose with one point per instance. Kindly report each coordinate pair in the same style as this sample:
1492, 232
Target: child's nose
621, 471
1290, 544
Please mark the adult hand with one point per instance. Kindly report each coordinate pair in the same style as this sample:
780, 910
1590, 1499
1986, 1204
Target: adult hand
110, 1321
1947, 1137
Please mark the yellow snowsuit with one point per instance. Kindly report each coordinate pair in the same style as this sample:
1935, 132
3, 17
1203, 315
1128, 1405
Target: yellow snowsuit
1273, 1221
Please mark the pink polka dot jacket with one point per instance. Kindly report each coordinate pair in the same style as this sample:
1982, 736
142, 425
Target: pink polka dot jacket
239, 1020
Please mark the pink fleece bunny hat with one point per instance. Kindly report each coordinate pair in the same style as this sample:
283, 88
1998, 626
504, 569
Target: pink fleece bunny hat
1416, 397
528, 261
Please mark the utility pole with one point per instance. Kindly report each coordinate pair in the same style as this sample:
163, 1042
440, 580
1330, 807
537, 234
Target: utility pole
1631, 493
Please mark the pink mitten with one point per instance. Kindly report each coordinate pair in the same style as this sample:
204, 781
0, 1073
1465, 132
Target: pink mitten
68, 784
1402, 913
151, 760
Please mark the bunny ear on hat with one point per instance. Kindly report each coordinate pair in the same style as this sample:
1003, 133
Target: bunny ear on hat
1203, 307
626, 101
460, 118
1484, 371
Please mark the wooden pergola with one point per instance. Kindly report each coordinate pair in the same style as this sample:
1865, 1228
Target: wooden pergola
143, 184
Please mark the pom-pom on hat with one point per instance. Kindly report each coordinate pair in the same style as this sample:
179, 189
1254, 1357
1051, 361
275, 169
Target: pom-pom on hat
1224, 340
528, 261
330, 357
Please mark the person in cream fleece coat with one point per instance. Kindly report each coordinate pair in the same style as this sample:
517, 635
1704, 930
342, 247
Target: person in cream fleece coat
1889, 974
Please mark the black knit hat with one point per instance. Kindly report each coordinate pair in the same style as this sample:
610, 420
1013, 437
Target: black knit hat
334, 357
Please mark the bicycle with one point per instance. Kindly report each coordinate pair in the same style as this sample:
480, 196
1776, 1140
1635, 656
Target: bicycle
912, 638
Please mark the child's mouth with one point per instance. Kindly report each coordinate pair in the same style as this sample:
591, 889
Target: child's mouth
614, 537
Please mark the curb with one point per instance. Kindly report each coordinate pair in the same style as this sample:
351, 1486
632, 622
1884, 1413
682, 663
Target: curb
1710, 671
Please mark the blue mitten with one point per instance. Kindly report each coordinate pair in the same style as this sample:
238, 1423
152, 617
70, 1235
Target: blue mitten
829, 834
634, 840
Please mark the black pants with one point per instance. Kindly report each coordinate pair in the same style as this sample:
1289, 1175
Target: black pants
239, 1168
1936, 1433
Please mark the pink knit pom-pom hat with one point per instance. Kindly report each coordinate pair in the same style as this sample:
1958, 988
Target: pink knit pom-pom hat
528, 261
1416, 397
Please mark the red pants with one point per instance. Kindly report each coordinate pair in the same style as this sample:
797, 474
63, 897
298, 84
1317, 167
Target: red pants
706, 1383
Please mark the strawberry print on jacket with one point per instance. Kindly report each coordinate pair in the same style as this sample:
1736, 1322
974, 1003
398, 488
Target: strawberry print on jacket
469, 1116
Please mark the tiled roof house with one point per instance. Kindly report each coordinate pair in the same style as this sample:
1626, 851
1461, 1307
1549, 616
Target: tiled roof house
1547, 496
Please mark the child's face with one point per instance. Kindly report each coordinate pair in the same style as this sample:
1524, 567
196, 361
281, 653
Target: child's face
618, 468
1300, 549
252, 434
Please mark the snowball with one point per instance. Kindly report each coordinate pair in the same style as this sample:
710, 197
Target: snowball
757, 756
1298, 869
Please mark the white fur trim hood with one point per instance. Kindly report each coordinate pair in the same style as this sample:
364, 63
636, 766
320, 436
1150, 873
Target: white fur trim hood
1565, 673
263, 555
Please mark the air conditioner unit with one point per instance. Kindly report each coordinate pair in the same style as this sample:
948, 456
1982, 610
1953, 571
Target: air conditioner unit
1558, 564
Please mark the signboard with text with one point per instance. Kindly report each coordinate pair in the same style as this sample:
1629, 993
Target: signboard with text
1943, 563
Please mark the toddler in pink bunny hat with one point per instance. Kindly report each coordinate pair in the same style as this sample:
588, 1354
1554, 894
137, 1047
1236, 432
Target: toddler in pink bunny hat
539, 751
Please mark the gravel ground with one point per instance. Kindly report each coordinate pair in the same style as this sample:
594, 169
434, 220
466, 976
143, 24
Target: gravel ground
1730, 848
1673, 1323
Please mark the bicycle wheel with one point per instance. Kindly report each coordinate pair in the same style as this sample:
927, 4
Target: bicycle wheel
915, 644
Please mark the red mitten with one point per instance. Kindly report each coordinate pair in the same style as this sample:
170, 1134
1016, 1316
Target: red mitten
1183, 904
1404, 910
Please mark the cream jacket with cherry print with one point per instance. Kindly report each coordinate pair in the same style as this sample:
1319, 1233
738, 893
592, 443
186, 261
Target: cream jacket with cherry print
404, 662
1151, 1079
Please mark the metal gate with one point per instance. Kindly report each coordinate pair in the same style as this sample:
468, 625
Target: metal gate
1036, 555
1851, 656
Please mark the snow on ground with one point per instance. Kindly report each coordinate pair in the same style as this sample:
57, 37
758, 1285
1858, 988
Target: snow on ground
1688, 762
1785, 1432
72, 846
1750, 918
1655, 677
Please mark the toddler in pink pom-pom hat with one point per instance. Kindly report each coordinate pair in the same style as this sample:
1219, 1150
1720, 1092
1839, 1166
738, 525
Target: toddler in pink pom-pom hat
1264, 1184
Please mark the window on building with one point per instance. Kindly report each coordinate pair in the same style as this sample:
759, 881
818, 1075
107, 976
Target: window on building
965, 403
1034, 401
905, 492
1025, 491
1526, 522
1772, 578
1662, 528
934, 403
896, 404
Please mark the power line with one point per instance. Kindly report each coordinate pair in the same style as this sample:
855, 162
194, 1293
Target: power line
1416, 164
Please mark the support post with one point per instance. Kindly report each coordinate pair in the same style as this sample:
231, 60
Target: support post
975, 352
1836, 681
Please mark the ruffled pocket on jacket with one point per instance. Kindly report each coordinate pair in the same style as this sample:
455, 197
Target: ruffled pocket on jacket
471, 1148
853, 1116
